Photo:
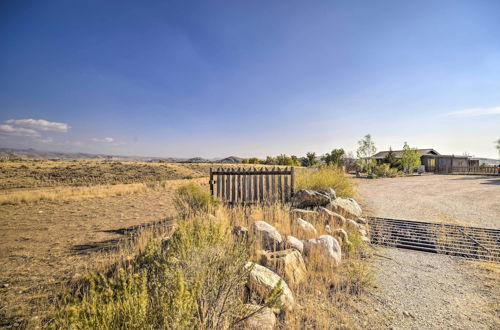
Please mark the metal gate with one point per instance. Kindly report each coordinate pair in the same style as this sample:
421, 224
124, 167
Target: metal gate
252, 185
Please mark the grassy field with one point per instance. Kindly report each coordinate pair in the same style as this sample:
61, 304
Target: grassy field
59, 224
55, 173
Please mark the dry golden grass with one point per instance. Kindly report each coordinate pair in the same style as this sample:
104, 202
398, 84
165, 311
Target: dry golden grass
55, 173
323, 178
324, 300
76, 193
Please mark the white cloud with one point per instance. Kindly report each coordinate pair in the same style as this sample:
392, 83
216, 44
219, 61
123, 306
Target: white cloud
475, 112
17, 131
105, 140
39, 125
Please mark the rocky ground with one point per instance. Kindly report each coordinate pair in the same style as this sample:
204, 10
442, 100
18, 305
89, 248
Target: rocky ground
416, 290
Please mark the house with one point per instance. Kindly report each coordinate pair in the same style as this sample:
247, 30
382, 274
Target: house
433, 161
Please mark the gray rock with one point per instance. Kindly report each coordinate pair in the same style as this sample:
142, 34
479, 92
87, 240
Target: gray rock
262, 318
294, 243
267, 235
240, 233
327, 247
287, 263
262, 280
310, 198
304, 228
341, 236
361, 221
348, 207
332, 217
330, 193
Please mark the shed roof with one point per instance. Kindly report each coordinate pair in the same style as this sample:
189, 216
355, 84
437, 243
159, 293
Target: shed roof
399, 153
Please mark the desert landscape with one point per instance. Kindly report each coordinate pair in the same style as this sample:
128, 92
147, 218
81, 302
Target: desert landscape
257, 165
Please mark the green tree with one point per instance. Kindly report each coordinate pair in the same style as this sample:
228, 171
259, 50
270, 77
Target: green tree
365, 152
311, 159
244, 160
270, 161
254, 160
336, 157
391, 159
295, 161
410, 159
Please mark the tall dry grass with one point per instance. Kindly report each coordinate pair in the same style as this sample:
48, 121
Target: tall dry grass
180, 284
323, 178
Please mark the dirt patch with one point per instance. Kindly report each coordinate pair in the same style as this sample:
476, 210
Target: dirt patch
463, 199
430, 291
46, 244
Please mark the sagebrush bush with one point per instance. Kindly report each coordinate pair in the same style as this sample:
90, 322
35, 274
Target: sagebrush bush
196, 281
385, 171
192, 200
324, 178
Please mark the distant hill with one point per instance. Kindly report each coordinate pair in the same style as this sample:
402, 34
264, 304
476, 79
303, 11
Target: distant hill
39, 154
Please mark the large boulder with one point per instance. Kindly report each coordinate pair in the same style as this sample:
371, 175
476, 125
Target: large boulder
287, 263
240, 233
348, 207
267, 235
262, 318
310, 198
304, 228
326, 247
332, 217
294, 243
330, 192
262, 280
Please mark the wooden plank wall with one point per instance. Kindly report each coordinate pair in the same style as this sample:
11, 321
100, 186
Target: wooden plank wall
252, 185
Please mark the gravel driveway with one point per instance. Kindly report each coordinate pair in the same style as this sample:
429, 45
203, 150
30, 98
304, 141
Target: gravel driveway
462, 199
417, 290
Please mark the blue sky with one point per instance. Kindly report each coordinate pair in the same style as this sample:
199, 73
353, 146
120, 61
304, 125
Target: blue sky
249, 78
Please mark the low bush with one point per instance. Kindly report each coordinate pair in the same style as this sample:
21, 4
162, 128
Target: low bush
192, 200
323, 178
385, 171
196, 281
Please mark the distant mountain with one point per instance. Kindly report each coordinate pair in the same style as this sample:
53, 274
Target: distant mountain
39, 154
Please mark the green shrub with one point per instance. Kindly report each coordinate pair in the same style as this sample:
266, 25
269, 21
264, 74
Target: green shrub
324, 178
192, 200
385, 171
198, 281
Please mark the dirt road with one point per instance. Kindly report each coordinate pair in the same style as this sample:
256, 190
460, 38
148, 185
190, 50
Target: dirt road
463, 199
417, 290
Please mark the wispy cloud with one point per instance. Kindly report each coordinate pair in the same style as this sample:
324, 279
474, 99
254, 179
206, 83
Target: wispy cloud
17, 131
104, 140
39, 125
475, 112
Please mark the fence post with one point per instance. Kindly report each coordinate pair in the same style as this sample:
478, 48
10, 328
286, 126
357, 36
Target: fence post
211, 183
292, 183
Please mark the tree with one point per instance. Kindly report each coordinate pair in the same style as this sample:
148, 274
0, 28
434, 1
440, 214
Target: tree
295, 161
365, 152
498, 146
244, 161
311, 159
391, 159
254, 160
336, 157
410, 159
270, 161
